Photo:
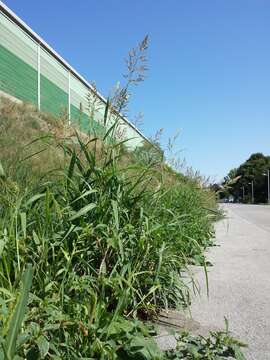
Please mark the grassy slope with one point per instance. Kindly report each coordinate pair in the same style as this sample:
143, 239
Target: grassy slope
106, 234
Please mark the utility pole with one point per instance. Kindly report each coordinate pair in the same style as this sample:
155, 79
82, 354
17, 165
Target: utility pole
243, 196
252, 191
268, 185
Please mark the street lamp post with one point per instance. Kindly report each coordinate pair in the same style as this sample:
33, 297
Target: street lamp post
268, 185
243, 190
252, 191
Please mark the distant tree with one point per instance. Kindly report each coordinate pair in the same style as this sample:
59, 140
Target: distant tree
253, 169
231, 175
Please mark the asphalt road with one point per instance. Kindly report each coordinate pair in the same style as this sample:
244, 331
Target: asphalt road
239, 280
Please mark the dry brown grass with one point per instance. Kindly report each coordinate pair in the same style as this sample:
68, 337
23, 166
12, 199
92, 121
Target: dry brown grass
30, 147
30, 142
24, 131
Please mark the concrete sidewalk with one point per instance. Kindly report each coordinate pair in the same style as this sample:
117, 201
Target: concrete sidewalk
239, 280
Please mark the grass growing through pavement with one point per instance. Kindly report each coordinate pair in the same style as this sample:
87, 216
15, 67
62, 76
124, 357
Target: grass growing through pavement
91, 249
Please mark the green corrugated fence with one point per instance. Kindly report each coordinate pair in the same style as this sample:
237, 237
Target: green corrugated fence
29, 72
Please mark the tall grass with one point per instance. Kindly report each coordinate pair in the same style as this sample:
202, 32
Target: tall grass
108, 239
95, 239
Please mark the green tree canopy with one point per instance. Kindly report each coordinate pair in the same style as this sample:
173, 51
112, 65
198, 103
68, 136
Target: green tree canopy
253, 169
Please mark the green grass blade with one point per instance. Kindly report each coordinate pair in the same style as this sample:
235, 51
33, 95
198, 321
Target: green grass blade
23, 223
83, 211
71, 165
2, 172
18, 314
106, 111
116, 214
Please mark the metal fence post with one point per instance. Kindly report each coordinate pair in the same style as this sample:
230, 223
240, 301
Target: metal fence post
38, 63
69, 106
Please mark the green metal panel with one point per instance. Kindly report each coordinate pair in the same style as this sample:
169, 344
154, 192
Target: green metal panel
53, 70
82, 102
16, 41
125, 131
17, 78
79, 94
53, 99
85, 123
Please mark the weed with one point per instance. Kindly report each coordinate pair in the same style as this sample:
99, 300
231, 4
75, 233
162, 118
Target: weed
107, 233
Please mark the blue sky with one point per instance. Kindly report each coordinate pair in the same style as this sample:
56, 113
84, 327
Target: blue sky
209, 67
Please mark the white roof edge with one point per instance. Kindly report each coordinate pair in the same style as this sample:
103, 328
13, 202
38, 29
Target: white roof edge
43, 43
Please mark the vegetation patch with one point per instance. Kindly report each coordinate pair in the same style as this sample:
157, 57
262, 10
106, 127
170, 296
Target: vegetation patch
93, 241
249, 183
